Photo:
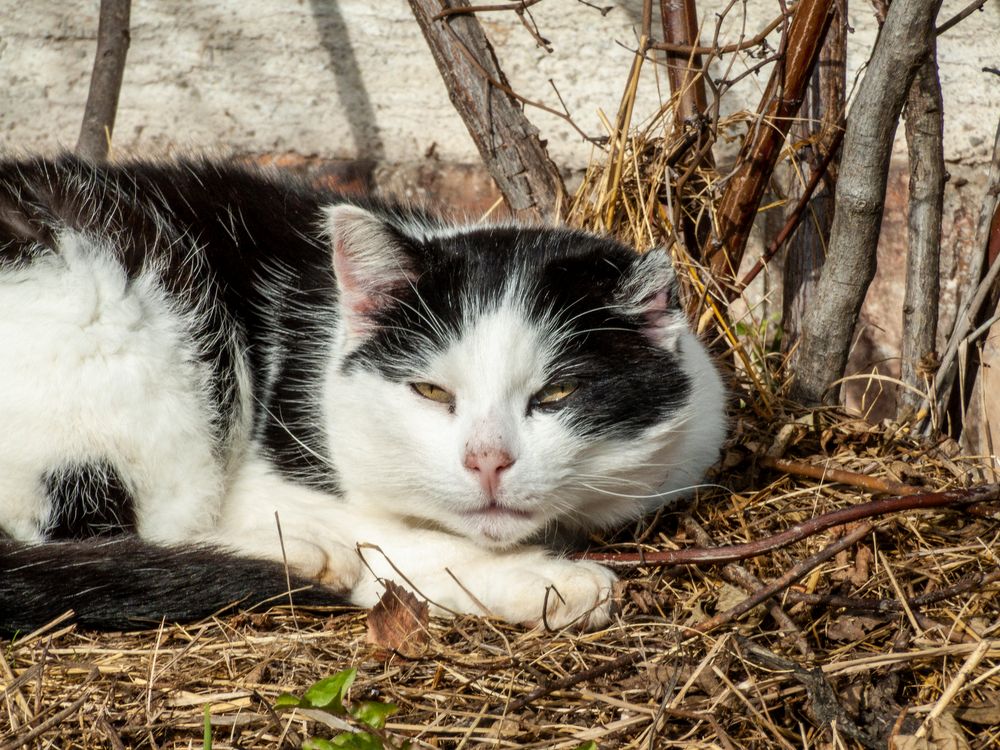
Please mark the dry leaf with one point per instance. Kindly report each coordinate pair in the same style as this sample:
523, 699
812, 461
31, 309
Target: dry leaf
944, 734
850, 628
398, 623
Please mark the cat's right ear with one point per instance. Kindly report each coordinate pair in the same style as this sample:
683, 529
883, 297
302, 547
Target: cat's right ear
369, 262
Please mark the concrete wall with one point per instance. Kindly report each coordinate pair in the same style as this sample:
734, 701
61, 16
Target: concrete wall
353, 78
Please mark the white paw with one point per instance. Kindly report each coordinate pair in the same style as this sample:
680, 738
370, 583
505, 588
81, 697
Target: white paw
335, 565
555, 593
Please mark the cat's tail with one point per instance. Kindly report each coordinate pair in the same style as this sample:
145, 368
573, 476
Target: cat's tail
126, 583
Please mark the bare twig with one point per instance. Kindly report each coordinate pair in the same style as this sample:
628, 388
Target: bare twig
797, 214
799, 570
969, 316
829, 324
841, 476
468, 9
670, 45
925, 148
956, 19
872, 509
105, 80
739, 203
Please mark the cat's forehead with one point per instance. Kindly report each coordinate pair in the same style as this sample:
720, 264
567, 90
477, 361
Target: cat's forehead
500, 350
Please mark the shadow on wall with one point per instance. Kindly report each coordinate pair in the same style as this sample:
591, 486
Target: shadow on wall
354, 98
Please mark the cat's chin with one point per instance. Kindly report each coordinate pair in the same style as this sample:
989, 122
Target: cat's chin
498, 526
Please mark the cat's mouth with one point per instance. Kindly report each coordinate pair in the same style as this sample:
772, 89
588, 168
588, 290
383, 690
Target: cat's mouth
496, 510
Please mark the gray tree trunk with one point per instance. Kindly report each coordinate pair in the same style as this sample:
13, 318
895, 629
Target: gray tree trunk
828, 326
925, 147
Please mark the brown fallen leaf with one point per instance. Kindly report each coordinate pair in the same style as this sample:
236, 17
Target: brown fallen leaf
944, 734
398, 624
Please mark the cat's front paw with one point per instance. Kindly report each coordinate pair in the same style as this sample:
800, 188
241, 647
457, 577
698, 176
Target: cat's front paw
561, 593
332, 564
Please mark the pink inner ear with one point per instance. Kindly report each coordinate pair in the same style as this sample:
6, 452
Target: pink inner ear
358, 300
654, 313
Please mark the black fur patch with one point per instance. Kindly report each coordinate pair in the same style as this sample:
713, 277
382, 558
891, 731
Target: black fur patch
87, 501
626, 383
124, 583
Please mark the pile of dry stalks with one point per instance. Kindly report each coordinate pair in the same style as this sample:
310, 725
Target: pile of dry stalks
884, 632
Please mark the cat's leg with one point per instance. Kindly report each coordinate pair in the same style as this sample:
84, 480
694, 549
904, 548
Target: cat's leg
525, 585
265, 515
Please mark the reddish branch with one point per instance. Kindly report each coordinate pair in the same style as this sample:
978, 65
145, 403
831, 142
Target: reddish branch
872, 509
105, 80
746, 186
841, 476
793, 574
797, 214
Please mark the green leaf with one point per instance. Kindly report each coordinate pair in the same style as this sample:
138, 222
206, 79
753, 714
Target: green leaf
374, 713
588, 745
359, 741
287, 700
318, 743
329, 694
206, 742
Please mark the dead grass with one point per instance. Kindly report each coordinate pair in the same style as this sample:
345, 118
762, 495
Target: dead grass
883, 669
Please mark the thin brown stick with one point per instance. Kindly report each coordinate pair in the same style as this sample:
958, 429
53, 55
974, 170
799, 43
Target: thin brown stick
840, 476
695, 49
625, 660
737, 575
887, 606
745, 188
797, 214
105, 80
800, 570
518, 6
872, 509
956, 19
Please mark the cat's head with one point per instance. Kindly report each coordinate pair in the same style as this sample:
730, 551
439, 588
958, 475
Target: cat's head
498, 380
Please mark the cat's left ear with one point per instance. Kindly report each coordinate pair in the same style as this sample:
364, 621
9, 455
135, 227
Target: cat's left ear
370, 264
648, 291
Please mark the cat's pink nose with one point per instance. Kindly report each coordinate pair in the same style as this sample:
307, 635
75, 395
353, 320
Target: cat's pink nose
487, 465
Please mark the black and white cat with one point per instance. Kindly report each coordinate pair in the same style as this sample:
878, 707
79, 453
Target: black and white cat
195, 355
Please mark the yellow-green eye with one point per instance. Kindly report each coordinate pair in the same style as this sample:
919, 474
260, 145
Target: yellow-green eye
433, 392
553, 393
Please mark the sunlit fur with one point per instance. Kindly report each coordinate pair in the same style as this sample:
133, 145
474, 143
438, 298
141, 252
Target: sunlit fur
220, 350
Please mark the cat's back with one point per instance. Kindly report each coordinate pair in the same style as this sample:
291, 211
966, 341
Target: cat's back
126, 295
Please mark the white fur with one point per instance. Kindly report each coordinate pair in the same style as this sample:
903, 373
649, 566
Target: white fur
95, 368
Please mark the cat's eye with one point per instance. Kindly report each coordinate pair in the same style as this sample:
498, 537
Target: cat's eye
433, 393
553, 393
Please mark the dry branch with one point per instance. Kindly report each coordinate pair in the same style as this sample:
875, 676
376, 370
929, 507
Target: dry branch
781, 100
872, 509
829, 324
925, 148
793, 574
507, 141
105, 80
